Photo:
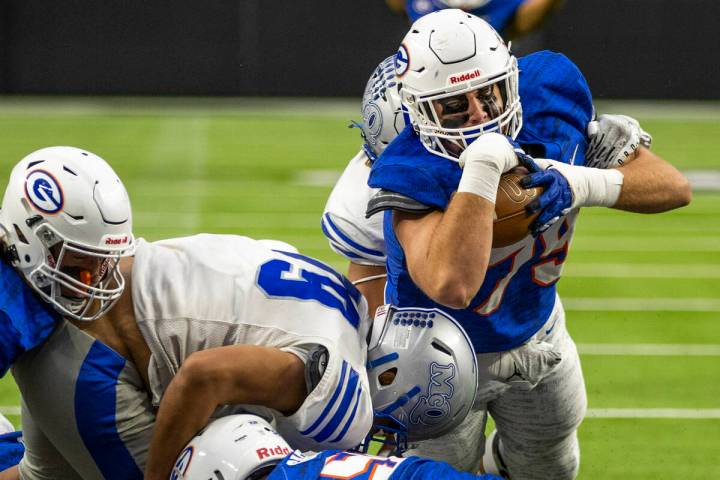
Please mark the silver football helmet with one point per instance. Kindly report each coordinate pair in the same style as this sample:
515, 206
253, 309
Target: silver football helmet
66, 221
422, 371
236, 447
448, 61
382, 113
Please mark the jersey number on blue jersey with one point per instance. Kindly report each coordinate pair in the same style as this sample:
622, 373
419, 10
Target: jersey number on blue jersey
282, 279
347, 466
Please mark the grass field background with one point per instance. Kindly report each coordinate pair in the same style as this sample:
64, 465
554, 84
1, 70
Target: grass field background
642, 292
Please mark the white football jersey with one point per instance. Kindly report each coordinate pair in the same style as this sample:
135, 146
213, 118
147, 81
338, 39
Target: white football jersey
353, 236
207, 291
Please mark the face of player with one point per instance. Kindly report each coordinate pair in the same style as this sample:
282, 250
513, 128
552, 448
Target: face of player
470, 108
86, 269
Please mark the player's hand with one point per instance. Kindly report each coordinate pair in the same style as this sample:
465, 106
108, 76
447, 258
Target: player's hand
486, 158
614, 140
557, 197
528, 364
492, 149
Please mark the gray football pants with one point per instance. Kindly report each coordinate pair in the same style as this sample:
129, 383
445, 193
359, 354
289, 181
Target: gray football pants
537, 428
85, 413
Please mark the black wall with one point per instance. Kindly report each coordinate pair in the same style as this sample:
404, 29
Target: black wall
626, 48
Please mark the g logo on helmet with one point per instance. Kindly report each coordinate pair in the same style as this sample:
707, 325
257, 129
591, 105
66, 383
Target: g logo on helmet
44, 192
402, 61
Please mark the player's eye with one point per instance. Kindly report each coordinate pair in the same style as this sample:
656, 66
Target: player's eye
485, 93
454, 105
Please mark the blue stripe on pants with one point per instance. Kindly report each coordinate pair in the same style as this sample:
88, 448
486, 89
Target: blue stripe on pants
95, 402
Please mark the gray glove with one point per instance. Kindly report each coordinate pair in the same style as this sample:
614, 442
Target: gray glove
614, 138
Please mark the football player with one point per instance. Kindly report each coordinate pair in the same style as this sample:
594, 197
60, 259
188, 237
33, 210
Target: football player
67, 223
459, 85
208, 321
513, 18
247, 447
403, 344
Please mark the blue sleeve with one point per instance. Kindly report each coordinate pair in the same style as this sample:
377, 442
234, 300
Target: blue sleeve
25, 320
11, 450
406, 167
415, 468
498, 13
557, 106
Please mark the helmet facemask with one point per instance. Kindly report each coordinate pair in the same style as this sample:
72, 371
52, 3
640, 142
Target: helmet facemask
81, 292
440, 115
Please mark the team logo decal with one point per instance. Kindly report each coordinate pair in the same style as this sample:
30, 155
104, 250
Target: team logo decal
434, 406
402, 61
182, 464
373, 121
44, 191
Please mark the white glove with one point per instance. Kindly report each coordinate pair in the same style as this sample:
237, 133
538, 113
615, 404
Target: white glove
488, 157
524, 366
614, 138
591, 187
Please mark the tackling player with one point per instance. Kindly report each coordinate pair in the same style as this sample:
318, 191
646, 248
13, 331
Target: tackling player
507, 296
207, 321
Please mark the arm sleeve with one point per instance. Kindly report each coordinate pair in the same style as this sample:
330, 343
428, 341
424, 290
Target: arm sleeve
337, 413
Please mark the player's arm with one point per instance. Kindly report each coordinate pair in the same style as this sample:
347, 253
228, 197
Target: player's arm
235, 374
447, 252
647, 184
11, 473
652, 185
531, 14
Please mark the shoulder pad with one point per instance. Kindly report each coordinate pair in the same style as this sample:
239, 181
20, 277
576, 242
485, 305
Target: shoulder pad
387, 200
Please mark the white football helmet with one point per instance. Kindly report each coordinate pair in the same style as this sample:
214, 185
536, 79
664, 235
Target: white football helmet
66, 221
383, 118
236, 447
433, 367
446, 55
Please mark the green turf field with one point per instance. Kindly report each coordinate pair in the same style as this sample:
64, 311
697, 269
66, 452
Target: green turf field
642, 292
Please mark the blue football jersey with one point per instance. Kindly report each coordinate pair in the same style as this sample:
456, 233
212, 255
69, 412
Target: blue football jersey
518, 294
11, 450
498, 13
25, 320
337, 464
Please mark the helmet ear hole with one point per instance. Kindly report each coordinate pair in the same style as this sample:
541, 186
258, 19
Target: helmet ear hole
387, 377
442, 348
20, 235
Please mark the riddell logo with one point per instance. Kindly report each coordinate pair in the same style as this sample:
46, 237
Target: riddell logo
269, 452
464, 77
116, 241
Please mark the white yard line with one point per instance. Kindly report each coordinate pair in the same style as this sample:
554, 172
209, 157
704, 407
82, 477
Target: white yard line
650, 349
685, 413
10, 409
640, 270
615, 304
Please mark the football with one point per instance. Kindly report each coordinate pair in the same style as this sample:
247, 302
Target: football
512, 221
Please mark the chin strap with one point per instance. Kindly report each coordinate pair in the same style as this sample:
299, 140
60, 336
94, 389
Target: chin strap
369, 279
